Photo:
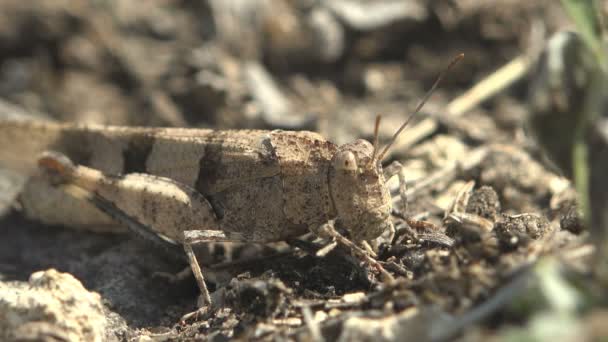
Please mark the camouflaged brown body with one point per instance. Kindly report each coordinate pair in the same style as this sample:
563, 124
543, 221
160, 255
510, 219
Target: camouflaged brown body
266, 185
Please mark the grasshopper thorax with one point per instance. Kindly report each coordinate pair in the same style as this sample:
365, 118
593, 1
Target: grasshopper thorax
358, 191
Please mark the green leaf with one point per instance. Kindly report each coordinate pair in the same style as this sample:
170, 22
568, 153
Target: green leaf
586, 16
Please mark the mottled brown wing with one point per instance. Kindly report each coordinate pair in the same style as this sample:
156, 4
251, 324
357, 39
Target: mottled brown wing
214, 160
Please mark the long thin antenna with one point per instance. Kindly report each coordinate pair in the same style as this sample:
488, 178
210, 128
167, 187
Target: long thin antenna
376, 127
421, 104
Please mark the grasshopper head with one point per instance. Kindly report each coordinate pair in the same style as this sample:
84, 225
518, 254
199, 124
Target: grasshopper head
360, 197
356, 182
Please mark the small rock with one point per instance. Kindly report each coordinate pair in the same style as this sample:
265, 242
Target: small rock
256, 297
484, 202
518, 230
520, 180
407, 325
51, 306
572, 220
371, 15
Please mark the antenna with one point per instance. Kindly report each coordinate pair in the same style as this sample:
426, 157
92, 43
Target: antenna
376, 127
421, 104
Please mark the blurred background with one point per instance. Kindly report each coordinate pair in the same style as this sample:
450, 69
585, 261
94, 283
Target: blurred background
328, 66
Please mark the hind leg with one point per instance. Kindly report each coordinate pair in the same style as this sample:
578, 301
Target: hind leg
41, 201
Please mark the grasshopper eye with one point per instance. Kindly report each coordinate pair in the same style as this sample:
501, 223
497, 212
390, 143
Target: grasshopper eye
346, 161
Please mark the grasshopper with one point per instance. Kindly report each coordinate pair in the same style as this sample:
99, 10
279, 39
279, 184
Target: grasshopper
199, 185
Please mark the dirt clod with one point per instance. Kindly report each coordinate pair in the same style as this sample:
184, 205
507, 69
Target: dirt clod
519, 230
485, 203
51, 306
571, 219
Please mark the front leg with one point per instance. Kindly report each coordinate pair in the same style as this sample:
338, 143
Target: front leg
395, 168
328, 230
